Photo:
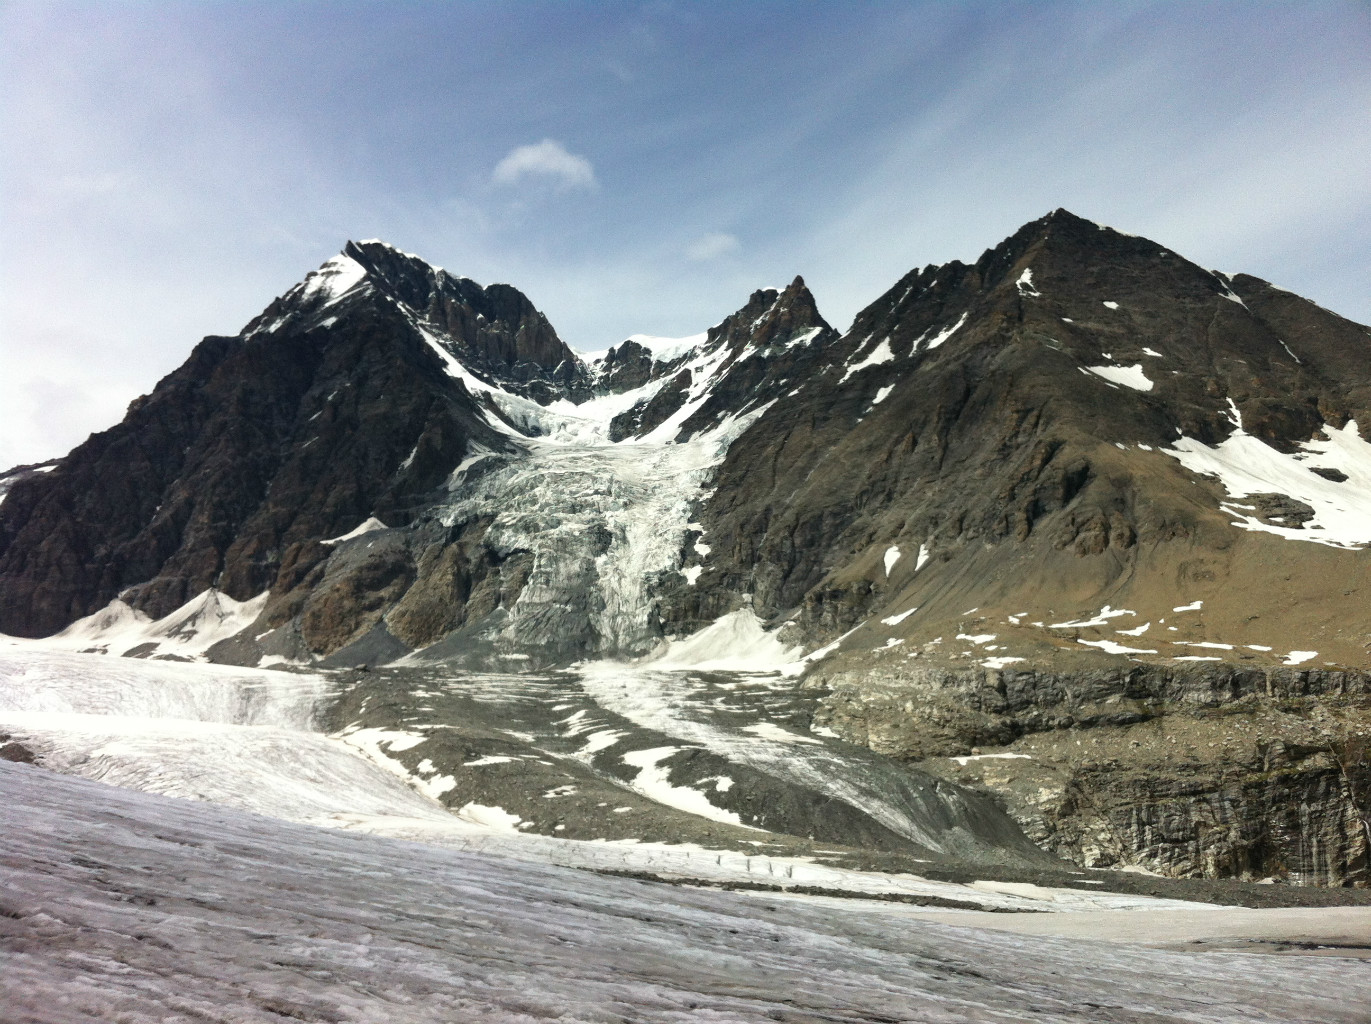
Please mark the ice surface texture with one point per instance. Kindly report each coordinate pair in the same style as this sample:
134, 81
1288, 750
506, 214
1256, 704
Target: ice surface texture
125, 906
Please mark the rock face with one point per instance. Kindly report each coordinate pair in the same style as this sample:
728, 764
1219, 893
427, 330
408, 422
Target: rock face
1191, 771
1081, 499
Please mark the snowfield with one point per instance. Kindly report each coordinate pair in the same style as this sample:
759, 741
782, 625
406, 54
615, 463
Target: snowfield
1246, 466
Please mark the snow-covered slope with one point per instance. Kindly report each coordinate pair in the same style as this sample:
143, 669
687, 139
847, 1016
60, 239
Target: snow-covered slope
186, 633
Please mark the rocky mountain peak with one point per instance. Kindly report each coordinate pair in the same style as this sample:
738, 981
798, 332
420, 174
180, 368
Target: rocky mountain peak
495, 331
494, 328
772, 318
404, 275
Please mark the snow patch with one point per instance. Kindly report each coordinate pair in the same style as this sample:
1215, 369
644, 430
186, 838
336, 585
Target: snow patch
598, 741
942, 337
1129, 376
1299, 657
892, 555
895, 620
666, 350
436, 787
922, 560
1246, 466
769, 731
1025, 285
1006, 756
879, 355
371, 525
1099, 619
736, 642
333, 279
805, 338
495, 818
651, 781
1111, 647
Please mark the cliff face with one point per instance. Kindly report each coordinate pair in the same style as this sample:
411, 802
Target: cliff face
1210, 771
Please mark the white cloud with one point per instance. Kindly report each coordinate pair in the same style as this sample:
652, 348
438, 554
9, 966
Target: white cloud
711, 247
546, 159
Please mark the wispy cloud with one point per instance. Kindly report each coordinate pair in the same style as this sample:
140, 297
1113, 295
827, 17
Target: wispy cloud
711, 247
547, 160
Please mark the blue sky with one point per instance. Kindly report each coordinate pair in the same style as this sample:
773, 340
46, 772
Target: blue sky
169, 168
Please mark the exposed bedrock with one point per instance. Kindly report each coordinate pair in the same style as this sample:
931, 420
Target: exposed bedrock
1211, 771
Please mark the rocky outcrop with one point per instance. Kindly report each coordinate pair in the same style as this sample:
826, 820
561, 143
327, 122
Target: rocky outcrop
1211, 771
627, 366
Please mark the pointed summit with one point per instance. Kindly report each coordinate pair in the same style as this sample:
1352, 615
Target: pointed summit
495, 330
772, 318
747, 360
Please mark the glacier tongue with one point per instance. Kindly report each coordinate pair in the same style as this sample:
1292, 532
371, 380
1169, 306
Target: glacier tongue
603, 520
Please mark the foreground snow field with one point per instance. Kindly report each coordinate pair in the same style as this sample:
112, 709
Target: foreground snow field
248, 739
126, 906
120, 902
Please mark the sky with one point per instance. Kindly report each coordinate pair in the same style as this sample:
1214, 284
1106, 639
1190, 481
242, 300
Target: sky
168, 168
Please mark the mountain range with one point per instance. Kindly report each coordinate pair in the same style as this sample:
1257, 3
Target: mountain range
1079, 529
